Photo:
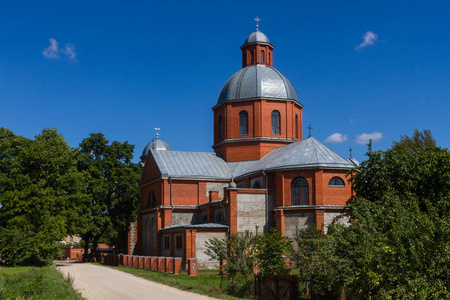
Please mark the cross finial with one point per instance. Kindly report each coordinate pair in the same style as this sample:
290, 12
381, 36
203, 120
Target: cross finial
350, 152
157, 129
257, 20
309, 127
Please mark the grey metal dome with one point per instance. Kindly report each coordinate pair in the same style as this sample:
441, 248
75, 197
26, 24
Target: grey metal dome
156, 144
257, 37
257, 81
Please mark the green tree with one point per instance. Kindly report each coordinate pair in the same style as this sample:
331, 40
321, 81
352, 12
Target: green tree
418, 141
239, 250
319, 265
40, 191
398, 244
272, 246
111, 181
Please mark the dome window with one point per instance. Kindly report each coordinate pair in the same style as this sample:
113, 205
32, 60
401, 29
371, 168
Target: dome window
296, 126
336, 181
299, 191
252, 57
276, 123
243, 123
262, 56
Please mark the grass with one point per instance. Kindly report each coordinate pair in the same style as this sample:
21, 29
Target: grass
200, 284
17, 283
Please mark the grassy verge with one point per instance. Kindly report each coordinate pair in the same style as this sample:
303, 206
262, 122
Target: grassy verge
200, 284
17, 283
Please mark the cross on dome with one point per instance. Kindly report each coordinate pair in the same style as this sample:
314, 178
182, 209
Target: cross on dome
157, 129
310, 128
257, 20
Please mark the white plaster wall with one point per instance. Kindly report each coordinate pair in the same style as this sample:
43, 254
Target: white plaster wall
251, 212
149, 234
204, 261
183, 218
292, 221
328, 217
215, 186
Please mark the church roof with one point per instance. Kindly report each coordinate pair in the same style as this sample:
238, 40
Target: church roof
196, 165
156, 144
304, 154
257, 81
257, 37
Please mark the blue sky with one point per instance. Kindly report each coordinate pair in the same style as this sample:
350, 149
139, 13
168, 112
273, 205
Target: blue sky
361, 69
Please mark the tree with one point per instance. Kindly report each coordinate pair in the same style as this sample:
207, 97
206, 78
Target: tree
272, 246
398, 244
319, 265
111, 181
40, 191
418, 141
239, 250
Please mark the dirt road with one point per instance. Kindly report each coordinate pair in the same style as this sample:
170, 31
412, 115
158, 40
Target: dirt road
98, 283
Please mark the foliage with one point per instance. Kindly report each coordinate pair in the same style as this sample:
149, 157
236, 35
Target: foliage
272, 246
111, 181
399, 242
318, 263
418, 141
239, 250
34, 283
40, 191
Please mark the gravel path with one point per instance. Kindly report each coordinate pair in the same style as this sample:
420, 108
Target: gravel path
98, 283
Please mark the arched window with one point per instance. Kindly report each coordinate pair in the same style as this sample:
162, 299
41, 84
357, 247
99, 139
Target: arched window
243, 123
153, 199
270, 59
336, 181
252, 57
220, 128
296, 126
276, 122
262, 56
257, 184
299, 191
219, 217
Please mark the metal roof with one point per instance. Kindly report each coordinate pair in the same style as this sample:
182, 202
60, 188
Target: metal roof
257, 81
307, 153
196, 165
156, 144
204, 226
304, 154
257, 37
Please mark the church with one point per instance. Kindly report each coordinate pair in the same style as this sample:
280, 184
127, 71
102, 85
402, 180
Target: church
262, 174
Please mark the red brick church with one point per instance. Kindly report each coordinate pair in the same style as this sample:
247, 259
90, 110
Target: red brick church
263, 173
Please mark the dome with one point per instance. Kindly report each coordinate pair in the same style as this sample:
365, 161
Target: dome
156, 144
257, 81
257, 37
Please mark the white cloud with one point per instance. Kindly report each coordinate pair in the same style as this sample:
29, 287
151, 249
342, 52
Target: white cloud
364, 138
52, 51
70, 52
368, 39
336, 138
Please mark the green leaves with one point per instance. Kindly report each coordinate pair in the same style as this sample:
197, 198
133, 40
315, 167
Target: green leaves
111, 182
48, 190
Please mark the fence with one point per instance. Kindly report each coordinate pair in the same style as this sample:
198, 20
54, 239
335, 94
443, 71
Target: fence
276, 286
152, 263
